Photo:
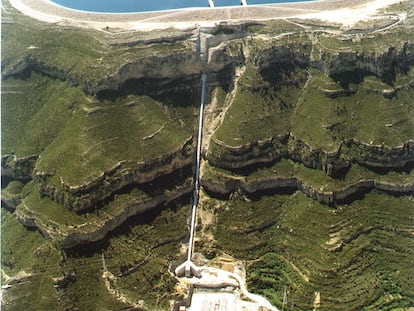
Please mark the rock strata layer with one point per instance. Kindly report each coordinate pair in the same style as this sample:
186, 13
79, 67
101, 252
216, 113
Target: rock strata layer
124, 173
95, 229
287, 146
227, 186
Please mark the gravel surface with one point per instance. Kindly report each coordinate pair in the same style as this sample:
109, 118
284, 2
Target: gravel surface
48, 11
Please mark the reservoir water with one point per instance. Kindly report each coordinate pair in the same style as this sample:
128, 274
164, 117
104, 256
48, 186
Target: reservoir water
128, 6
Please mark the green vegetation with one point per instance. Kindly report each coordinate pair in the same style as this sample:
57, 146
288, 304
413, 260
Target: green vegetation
320, 112
29, 264
350, 254
87, 290
271, 275
60, 222
150, 241
48, 111
14, 187
156, 244
53, 216
260, 110
82, 55
21, 258
376, 44
12, 194
365, 115
96, 141
138, 255
273, 28
316, 179
34, 111
78, 136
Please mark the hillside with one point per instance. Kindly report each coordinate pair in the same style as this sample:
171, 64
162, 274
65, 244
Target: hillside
307, 174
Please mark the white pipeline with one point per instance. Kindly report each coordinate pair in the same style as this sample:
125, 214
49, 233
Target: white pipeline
197, 173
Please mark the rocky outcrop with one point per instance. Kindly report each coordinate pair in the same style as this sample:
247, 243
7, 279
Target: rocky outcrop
174, 69
288, 146
334, 93
18, 168
341, 66
184, 64
384, 66
226, 185
70, 236
380, 155
155, 40
277, 60
84, 196
262, 151
10, 201
32, 63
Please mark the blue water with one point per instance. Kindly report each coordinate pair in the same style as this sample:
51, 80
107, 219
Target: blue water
127, 6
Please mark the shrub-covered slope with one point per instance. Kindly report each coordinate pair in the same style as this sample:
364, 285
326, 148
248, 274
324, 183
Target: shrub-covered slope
307, 173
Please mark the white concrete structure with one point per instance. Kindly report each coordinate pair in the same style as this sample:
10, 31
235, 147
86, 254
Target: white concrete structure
207, 301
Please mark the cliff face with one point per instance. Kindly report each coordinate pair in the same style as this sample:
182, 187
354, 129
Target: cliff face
167, 72
224, 186
385, 66
85, 196
273, 61
332, 162
96, 229
276, 66
312, 124
172, 79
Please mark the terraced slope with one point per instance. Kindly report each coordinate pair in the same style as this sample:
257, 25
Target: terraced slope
356, 256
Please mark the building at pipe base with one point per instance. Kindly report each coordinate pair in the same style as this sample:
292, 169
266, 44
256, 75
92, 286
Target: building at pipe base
188, 269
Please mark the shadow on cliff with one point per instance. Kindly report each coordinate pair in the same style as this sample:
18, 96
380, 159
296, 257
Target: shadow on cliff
96, 248
179, 92
407, 168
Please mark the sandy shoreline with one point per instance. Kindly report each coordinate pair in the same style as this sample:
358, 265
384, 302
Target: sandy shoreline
347, 12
